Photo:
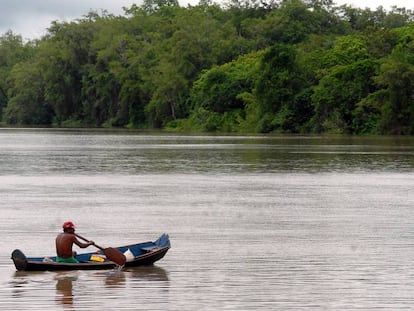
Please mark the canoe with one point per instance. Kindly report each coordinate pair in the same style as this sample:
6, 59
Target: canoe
140, 254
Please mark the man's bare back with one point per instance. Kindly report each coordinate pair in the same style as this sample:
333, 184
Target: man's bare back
64, 243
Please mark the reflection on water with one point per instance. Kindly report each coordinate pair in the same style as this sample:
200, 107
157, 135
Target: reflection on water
72, 287
64, 286
148, 273
50, 152
115, 279
256, 223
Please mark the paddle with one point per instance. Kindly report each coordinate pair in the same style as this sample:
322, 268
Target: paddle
111, 253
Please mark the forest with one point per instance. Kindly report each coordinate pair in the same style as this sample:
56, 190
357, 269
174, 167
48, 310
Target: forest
247, 66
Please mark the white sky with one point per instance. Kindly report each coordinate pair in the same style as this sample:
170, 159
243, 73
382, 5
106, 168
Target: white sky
31, 18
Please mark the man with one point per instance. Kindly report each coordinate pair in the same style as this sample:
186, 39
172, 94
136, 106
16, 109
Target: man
65, 241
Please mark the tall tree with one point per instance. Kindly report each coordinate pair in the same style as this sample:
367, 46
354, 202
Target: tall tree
397, 75
27, 105
280, 81
12, 52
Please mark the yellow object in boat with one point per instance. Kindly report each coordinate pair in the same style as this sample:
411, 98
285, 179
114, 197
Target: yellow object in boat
97, 258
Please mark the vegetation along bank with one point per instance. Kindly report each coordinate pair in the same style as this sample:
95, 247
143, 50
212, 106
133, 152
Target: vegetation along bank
244, 67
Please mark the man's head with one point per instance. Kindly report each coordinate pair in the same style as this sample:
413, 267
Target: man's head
68, 226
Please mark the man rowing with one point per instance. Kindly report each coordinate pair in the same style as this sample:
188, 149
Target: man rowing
65, 241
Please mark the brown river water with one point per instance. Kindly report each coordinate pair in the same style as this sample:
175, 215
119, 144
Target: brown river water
255, 222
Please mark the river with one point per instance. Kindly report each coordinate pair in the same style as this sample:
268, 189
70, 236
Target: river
255, 222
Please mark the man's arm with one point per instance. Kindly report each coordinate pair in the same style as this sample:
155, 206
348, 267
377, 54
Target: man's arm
82, 245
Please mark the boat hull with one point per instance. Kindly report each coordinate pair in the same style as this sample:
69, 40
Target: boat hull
146, 253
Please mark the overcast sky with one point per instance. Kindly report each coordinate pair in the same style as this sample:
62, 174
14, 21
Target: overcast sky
31, 18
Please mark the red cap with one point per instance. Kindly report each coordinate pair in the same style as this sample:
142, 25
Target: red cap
68, 225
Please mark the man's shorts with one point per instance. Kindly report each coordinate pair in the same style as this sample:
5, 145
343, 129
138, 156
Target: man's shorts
66, 260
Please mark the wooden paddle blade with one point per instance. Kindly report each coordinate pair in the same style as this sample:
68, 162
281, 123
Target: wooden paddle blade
115, 255
111, 253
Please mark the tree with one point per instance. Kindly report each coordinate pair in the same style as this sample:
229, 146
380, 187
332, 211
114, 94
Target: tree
290, 24
64, 56
381, 42
280, 81
12, 51
397, 76
152, 6
27, 104
219, 98
166, 101
337, 94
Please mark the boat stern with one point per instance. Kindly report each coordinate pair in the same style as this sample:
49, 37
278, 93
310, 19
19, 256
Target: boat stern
19, 260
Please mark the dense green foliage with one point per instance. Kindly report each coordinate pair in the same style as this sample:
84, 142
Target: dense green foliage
290, 66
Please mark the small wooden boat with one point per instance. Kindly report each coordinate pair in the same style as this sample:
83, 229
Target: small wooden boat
140, 254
